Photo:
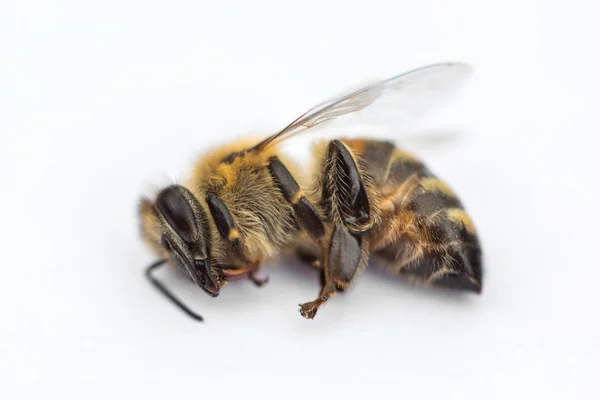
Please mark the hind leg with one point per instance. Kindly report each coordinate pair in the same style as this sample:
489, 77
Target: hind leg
347, 205
343, 259
345, 196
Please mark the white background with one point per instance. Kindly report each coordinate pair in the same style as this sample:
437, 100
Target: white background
102, 103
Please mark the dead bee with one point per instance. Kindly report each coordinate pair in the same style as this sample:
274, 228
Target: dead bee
242, 204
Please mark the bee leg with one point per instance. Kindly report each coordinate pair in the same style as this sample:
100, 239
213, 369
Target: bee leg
306, 215
308, 252
344, 194
225, 225
260, 282
342, 261
309, 310
252, 270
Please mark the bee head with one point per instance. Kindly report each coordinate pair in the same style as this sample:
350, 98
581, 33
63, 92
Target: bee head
176, 226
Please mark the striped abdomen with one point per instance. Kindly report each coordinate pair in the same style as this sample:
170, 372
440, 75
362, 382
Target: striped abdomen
423, 229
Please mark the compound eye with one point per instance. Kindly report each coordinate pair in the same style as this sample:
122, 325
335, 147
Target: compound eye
165, 243
175, 207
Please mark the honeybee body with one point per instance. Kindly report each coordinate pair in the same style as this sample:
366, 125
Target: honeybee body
243, 204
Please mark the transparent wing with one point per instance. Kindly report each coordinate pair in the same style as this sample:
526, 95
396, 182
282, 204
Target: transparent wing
407, 96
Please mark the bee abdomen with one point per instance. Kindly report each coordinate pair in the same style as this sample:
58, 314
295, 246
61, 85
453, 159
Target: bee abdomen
428, 235
430, 198
443, 251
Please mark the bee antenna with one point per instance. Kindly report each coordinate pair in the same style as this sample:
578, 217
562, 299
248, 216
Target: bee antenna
158, 285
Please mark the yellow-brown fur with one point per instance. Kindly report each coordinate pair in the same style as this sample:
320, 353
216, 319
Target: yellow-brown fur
408, 211
245, 187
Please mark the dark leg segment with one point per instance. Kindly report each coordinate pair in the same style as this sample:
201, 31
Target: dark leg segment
344, 257
225, 225
342, 260
260, 282
308, 218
